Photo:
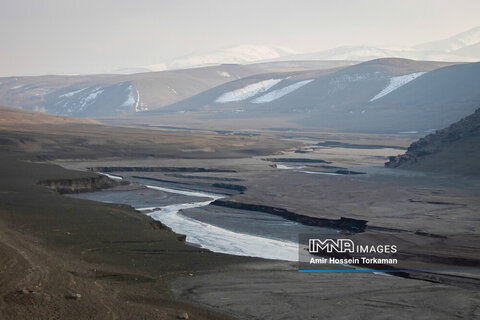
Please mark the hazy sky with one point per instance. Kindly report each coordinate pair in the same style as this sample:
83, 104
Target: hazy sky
84, 36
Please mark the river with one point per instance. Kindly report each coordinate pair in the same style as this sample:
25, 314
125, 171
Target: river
222, 230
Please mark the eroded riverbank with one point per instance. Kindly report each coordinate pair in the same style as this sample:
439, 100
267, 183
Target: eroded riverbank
256, 235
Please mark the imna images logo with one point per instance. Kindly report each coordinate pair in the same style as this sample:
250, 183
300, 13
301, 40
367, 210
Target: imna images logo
347, 246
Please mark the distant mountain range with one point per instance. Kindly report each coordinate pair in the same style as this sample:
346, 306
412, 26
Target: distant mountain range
454, 43
241, 54
113, 95
384, 95
110, 95
389, 95
463, 47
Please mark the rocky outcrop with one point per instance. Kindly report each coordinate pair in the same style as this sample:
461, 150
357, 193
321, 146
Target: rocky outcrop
226, 186
420, 148
230, 186
337, 144
297, 160
157, 169
450, 149
176, 175
78, 185
348, 172
345, 224
157, 225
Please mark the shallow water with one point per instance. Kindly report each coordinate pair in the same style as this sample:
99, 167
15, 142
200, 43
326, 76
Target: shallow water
223, 230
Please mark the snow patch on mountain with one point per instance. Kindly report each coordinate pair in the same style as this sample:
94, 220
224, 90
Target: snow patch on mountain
130, 101
224, 74
71, 93
341, 82
247, 91
276, 94
173, 90
137, 109
90, 98
352, 78
397, 82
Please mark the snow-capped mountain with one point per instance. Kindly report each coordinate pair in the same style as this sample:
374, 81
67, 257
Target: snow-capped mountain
453, 43
365, 53
461, 47
241, 54
352, 53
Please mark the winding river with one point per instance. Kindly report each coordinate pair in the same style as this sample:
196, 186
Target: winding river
254, 234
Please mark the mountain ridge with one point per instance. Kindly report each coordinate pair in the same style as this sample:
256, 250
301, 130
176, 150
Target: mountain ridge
239, 54
451, 49
369, 97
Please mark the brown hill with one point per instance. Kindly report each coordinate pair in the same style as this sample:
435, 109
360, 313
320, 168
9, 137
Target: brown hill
47, 136
15, 118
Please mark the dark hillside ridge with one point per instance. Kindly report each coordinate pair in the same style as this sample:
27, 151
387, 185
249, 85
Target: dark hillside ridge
345, 224
454, 149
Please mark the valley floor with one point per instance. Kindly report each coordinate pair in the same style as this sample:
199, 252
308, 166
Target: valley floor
433, 218
71, 258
